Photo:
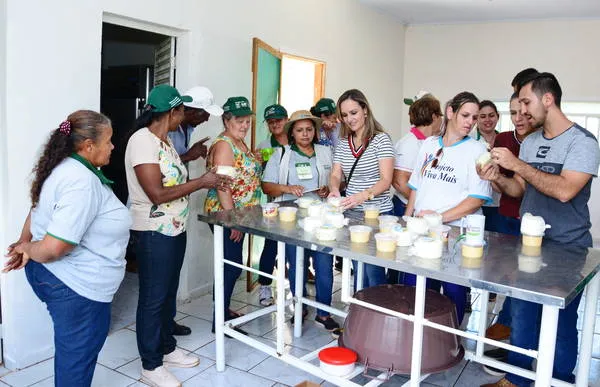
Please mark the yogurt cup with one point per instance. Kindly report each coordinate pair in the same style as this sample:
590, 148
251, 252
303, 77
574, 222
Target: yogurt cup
305, 201
287, 214
387, 226
440, 232
359, 233
269, 210
326, 233
310, 223
471, 251
417, 226
387, 218
335, 201
385, 242
433, 220
371, 211
404, 238
428, 248
336, 219
315, 209
226, 170
532, 240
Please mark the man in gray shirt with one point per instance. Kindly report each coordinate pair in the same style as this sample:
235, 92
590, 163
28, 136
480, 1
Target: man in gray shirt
553, 174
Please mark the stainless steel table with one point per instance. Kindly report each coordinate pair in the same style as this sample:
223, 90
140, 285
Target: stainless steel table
563, 273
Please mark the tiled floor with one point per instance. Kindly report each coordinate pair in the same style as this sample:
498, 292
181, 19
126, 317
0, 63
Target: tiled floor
119, 363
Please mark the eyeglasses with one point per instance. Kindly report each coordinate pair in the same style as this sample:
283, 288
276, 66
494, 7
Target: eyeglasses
438, 156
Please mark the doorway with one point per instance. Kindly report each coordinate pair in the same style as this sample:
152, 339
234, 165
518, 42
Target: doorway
133, 62
293, 81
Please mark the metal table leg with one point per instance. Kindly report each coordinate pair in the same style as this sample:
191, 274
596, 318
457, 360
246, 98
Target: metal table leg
280, 296
417, 345
219, 298
299, 291
545, 361
587, 334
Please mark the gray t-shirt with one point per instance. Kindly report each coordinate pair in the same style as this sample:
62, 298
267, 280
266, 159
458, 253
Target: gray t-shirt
575, 150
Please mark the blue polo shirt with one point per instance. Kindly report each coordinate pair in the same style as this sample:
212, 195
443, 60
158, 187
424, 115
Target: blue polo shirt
181, 138
76, 207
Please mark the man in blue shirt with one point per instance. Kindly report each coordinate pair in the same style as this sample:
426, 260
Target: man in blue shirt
196, 112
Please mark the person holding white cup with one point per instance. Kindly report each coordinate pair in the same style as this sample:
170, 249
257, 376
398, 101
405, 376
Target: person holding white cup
447, 164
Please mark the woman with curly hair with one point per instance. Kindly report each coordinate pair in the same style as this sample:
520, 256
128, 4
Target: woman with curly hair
73, 242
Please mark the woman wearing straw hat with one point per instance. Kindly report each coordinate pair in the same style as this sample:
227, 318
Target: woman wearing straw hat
304, 167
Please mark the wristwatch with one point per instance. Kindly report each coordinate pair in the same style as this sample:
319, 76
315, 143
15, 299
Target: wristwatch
371, 194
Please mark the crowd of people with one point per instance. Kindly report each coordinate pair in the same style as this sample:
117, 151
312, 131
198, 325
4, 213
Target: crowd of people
73, 241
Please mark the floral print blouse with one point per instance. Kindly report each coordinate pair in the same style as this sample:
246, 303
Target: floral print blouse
245, 189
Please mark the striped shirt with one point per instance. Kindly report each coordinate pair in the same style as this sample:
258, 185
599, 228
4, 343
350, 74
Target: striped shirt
366, 174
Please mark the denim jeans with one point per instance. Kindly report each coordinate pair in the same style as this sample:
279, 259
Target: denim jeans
525, 330
80, 327
373, 275
267, 261
159, 259
323, 265
456, 293
232, 251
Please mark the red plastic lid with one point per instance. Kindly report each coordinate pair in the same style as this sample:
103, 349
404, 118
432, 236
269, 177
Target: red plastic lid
338, 356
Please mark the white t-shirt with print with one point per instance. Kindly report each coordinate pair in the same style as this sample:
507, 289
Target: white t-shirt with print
166, 218
407, 149
453, 180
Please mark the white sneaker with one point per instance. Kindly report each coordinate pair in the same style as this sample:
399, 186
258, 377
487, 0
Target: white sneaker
265, 295
159, 377
178, 358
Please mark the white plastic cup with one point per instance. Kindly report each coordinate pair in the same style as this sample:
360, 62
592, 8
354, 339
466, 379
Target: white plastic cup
475, 225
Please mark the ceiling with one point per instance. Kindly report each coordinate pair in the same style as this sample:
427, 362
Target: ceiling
473, 11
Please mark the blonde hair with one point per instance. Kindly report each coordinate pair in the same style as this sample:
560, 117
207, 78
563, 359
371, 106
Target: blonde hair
372, 126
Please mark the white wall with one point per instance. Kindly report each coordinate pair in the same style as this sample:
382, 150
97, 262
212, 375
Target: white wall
484, 58
54, 69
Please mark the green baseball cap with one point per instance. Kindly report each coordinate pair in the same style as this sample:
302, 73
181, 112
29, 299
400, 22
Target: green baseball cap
324, 106
275, 111
164, 98
238, 106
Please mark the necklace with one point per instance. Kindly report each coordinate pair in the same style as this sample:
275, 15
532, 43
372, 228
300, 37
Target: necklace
515, 136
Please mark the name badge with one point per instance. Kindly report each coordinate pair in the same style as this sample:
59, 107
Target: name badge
304, 171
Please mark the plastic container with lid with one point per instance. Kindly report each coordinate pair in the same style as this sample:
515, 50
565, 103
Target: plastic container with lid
359, 233
269, 210
337, 361
472, 251
385, 242
326, 233
287, 214
532, 240
315, 209
440, 232
306, 201
371, 211
335, 201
